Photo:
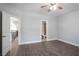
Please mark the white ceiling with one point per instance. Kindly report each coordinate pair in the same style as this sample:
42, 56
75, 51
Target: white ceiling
70, 7
23, 8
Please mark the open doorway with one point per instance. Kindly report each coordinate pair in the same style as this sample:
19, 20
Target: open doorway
44, 30
14, 35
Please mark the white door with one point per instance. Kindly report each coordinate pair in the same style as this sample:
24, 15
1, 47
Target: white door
5, 33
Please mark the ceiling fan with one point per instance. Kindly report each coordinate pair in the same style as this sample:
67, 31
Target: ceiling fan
58, 7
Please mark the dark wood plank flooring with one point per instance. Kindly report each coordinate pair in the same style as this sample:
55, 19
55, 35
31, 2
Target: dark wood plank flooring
51, 48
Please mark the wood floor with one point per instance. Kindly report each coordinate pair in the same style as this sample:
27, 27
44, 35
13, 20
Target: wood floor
51, 48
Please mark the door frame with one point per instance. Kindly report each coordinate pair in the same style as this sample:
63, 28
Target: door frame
19, 31
46, 29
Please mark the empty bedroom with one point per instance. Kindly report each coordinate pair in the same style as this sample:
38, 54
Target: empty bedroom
39, 29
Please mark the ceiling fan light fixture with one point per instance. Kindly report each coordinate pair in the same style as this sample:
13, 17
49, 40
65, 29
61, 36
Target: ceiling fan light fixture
51, 8
58, 7
54, 7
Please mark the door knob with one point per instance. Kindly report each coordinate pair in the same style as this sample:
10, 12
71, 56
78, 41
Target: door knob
3, 36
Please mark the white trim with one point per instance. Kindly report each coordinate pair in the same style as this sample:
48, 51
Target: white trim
31, 42
19, 31
50, 40
69, 42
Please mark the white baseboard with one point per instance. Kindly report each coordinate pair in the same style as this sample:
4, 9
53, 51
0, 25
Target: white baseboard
69, 42
31, 42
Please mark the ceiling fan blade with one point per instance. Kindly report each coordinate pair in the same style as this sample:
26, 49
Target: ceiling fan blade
43, 6
52, 4
59, 7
